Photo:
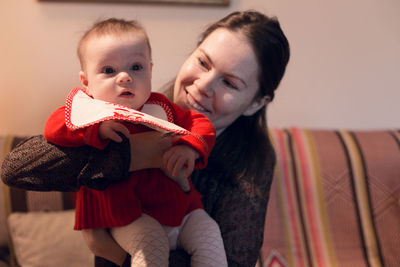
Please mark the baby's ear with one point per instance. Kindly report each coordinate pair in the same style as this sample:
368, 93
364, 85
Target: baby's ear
151, 69
83, 79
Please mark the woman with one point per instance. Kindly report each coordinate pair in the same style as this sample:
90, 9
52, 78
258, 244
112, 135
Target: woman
230, 77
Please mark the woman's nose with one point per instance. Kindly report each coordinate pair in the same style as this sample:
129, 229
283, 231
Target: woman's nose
205, 85
124, 77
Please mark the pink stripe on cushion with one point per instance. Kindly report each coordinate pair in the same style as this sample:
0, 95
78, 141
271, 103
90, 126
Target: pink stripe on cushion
290, 251
311, 197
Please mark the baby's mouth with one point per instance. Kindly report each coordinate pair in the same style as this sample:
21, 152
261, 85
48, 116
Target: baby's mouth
126, 94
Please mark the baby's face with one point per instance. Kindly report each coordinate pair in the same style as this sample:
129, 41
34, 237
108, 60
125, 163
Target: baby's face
118, 69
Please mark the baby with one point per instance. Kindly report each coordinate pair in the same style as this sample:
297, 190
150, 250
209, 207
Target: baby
148, 213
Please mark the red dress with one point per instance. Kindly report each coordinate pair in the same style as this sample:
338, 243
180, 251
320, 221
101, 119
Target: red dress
149, 190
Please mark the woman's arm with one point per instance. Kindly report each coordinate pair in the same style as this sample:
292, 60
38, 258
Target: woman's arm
38, 165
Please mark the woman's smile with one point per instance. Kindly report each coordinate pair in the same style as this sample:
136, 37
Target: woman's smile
195, 104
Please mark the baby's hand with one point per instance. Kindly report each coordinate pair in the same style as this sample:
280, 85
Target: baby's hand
180, 179
110, 130
180, 158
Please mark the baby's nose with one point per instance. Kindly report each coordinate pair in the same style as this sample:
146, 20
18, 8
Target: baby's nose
124, 77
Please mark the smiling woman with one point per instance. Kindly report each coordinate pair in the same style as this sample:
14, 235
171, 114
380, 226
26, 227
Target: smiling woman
218, 85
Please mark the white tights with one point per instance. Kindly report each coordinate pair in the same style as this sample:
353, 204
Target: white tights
149, 243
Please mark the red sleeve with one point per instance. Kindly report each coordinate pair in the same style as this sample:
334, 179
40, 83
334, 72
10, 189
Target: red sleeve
203, 134
58, 133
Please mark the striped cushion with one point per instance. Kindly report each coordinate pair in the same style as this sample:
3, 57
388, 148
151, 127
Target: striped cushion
334, 199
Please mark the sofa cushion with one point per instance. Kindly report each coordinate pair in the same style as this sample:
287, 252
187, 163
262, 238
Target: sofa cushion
47, 239
334, 199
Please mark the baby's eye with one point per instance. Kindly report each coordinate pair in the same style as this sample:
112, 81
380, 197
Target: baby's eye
136, 67
108, 70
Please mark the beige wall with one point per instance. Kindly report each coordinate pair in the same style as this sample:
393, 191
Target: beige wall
344, 70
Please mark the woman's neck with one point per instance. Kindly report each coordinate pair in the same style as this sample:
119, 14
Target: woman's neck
219, 131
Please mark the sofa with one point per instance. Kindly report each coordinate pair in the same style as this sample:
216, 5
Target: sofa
334, 201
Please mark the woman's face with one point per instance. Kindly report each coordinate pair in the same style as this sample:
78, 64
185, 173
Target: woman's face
220, 79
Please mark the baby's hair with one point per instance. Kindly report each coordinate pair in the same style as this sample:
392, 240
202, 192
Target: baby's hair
111, 26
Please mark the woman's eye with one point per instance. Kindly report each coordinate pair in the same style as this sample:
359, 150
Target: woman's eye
230, 84
203, 63
108, 70
136, 67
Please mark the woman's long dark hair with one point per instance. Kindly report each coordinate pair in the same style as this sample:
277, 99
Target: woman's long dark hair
244, 145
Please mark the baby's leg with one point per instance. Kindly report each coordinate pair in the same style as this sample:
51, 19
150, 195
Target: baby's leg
145, 240
101, 243
200, 237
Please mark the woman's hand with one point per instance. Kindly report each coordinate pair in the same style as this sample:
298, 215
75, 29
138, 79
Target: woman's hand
147, 149
154, 150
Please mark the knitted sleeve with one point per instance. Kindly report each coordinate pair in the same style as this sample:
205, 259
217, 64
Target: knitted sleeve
38, 165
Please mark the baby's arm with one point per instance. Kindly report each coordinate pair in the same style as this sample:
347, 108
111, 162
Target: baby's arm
179, 161
57, 132
97, 135
101, 243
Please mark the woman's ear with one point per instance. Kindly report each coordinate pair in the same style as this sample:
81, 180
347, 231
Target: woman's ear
256, 105
83, 78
